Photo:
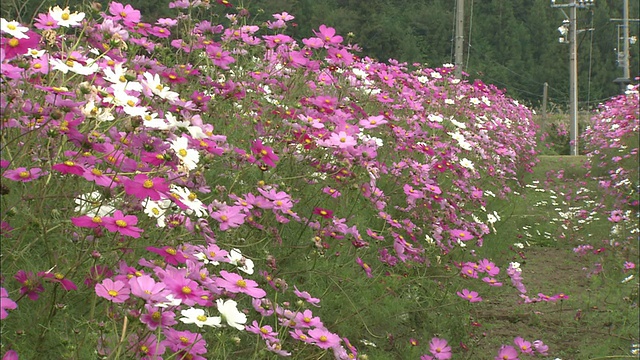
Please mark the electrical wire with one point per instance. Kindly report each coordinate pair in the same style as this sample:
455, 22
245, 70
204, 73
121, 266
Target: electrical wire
466, 66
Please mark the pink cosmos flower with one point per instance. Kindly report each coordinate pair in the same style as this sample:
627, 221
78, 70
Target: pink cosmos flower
471, 296
266, 332
264, 153
507, 353
145, 287
220, 57
179, 341
229, 217
306, 297
328, 35
324, 339
6, 303
440, 349
123, 224
365, 267
170, 254
523, 345
45, 21
489, 267
24, 174
155, 317
491, 281
126, 13
10, 355
236, 284
461, 235
115, 291
306, 319
540, 347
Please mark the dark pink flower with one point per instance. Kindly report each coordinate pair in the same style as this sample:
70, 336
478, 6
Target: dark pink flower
59, 278
123, 224
31, 284
24, 174
142, 186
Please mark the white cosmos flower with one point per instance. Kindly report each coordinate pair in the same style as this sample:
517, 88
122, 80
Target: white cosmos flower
92, 204
190, 199
153, 83
458, 124
157, 210
244, 264
13, 28
64, 17
189, 157
198, 317
466, 163
230, 313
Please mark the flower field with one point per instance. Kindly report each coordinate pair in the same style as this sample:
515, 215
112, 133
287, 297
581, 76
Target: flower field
202, 187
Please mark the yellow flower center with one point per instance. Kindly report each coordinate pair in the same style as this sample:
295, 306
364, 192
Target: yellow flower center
192, 196
96, 172
224, 218
186, 290
69, 163
241, 283
264, 330
156, 316
14, 42
144, 349
113, 293
121, 223
65, 16
24, 174
37, 66
147, 184
323, 338
182, 152
202, 318
171, 251
184, 340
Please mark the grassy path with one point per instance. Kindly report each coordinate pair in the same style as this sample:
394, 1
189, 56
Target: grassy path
599, 320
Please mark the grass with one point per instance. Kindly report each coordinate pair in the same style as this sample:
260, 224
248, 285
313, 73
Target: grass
600, 318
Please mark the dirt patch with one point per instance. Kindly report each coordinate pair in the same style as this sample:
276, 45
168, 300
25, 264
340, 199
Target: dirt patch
565, 326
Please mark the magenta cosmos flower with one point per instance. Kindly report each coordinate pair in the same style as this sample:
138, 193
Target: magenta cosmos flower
236, 284
14, 47
24, 174
115, 291
122, 224
142, 186
472, 296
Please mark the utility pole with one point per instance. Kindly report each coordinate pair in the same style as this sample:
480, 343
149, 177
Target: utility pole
623, 56
459, 37
573, 78
573, 65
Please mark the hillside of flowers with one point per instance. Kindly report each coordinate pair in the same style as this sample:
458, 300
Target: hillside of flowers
197, 189
612, 142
